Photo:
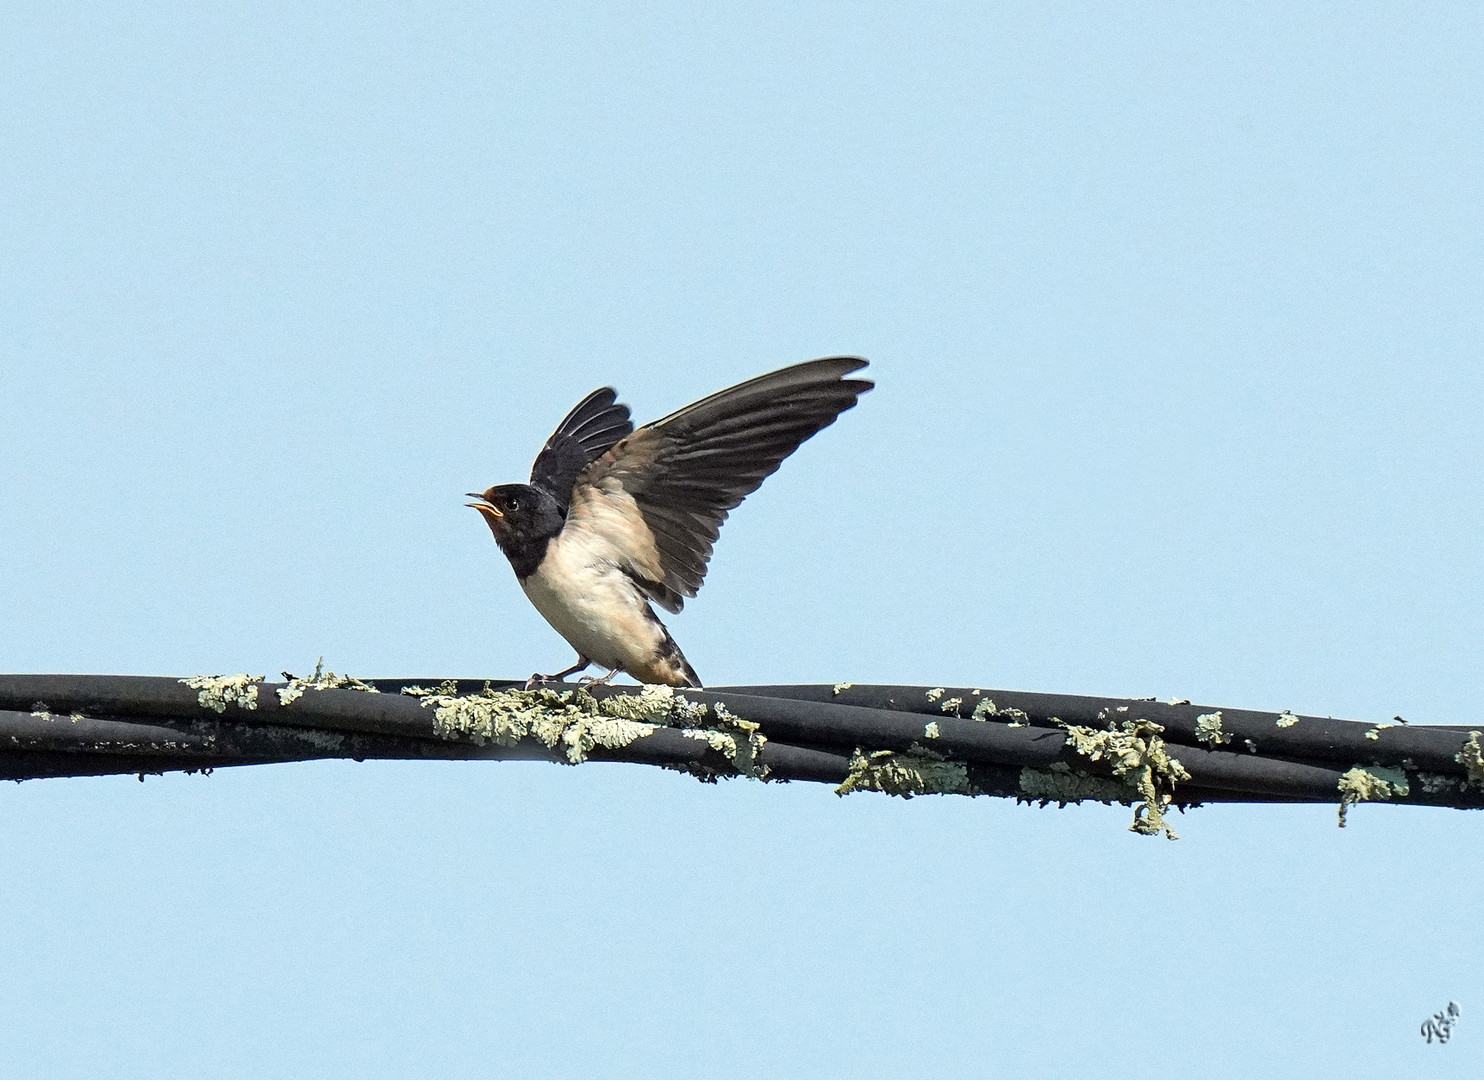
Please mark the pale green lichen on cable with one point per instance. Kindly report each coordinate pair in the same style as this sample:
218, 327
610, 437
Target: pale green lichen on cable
987, 708
1471, 757
906, 773
1436, 783
652, 704
1208, 729
740, 741
219, 691
1062, 785
323, 740
1372, 783
40, 711
320, 680
1139, 757
577, 722
572, 721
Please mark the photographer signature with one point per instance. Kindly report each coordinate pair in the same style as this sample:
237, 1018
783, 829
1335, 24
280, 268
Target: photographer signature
1440, 1025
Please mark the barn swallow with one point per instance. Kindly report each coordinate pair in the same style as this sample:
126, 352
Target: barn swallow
615, 518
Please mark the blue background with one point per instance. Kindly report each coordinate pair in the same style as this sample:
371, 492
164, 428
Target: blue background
1175, 314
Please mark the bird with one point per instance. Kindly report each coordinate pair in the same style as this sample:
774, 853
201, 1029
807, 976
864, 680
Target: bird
615, 518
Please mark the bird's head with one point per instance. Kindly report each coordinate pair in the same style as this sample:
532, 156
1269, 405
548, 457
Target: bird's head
518, 514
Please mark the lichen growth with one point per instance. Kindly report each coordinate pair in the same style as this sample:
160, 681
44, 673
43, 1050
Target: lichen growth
1372, 784
1374, 733
1251, 746
1287, 719
740, 741
219, 691
656, 705
987, 708
931, 730
1062, 784
935, 693
951, 705
320, 680
1472, 759
576, 722
1208, 729
573, 722
611, 734
1434, 783
1178, 701
1139, 757
41, 711
324, 740
906, 773
841, 687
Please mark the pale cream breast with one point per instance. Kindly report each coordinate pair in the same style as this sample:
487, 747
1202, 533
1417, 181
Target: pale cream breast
581, 592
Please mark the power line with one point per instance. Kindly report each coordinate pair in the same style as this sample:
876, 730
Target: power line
904, 740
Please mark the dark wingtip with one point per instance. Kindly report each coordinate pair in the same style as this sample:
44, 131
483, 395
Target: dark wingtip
851, 364
840, 367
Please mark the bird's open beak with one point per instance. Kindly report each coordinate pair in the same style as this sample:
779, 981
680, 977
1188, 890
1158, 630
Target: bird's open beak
483, 506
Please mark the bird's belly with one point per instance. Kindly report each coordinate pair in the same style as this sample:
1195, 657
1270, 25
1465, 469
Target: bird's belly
596, 607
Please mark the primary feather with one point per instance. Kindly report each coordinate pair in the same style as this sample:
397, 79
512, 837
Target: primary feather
661, 493
594, 425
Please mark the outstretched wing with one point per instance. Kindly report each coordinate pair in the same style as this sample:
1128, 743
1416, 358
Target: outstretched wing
661, 493
589, 429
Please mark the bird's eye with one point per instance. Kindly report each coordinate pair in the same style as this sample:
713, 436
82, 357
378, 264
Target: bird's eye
514, 503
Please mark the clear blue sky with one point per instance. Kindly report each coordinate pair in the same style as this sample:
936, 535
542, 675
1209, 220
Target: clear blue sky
1175, 314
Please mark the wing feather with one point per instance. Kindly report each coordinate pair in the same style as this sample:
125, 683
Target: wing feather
672, 483
591, 428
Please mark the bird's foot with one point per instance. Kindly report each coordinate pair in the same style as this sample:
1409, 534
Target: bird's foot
541, 680
589, 680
